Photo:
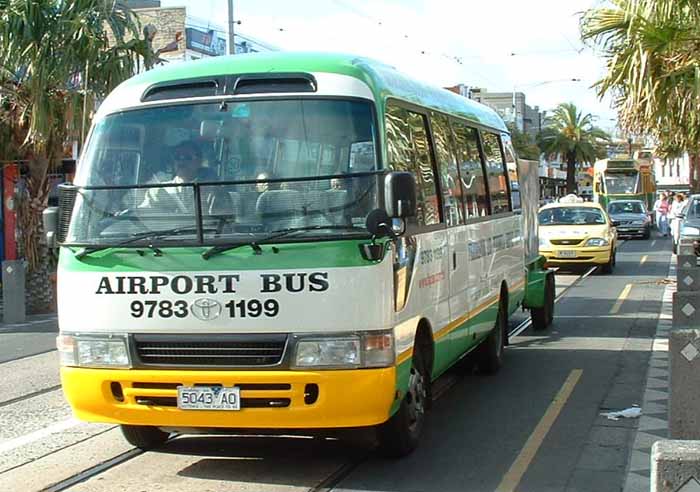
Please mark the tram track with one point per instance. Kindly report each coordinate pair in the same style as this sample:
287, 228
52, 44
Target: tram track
28, 396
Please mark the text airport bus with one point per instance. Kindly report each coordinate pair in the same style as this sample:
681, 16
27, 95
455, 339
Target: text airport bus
349, 236
624, 179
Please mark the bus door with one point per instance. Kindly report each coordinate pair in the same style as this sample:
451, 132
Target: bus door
454, 213
470, 245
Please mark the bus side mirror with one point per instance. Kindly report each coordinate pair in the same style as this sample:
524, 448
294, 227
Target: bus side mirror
400, 195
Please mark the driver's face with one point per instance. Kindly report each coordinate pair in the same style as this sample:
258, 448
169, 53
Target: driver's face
186, 165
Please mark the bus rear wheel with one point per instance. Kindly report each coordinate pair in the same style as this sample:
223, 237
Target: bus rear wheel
144, 436
542, 317
490, 357
399, 435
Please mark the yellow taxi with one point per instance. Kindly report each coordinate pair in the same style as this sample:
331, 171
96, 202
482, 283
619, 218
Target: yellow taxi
573, 232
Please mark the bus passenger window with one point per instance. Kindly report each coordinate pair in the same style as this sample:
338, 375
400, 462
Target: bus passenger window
496, 173
447, 167
408, 149
512, 167
470, 170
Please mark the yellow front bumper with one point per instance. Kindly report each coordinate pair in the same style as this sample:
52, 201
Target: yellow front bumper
597, 256
348, 398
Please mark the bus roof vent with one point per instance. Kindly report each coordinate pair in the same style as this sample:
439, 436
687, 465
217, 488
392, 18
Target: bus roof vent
181, 89
275, 83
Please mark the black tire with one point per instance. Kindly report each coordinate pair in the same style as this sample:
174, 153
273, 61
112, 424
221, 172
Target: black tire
647, 233
399, 435
144, 436
490, 357
542, 317
610, 265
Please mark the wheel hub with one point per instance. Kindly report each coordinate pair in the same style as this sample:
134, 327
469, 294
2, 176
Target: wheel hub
415, 398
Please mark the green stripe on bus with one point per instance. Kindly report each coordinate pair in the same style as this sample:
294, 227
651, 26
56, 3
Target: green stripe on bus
290, 255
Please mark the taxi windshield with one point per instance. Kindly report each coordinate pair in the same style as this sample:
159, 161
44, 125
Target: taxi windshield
571, 216
626, 208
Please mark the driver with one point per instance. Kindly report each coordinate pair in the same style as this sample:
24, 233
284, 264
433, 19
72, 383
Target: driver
187, 163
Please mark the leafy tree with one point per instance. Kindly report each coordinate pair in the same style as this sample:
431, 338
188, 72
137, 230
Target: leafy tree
523, 144
57, 58
653, 69
571, 134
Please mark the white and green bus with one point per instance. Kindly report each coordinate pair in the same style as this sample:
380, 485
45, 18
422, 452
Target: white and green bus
289, 242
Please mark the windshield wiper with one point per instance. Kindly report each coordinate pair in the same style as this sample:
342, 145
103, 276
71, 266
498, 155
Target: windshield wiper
151, 235
255, 244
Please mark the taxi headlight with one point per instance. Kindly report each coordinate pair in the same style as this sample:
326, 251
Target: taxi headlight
372, 349
597, 242
93, 350
544, 242
690, 231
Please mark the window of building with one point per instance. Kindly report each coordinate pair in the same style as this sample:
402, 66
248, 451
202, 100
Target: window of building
447, 169
470, 170
409, 150
495, 168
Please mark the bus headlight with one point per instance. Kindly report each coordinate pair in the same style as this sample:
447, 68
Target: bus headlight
93, 351
597, 242
345, 352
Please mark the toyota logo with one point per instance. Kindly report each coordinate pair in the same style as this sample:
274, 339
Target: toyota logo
206, 309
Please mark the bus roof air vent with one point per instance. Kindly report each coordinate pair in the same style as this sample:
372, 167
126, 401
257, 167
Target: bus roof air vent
275, 83
181, 89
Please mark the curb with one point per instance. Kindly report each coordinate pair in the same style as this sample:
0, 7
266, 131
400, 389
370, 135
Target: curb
653, 424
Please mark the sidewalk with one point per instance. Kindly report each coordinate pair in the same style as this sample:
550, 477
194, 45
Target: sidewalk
653, 424
35, 336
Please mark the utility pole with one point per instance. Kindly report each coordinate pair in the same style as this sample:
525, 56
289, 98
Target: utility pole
231, 43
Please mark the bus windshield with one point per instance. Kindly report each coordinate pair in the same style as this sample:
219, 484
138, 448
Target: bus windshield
621, 182
228, 170
571, 216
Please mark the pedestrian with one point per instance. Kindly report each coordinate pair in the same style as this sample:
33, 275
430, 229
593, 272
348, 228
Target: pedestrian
661, 210
675, 215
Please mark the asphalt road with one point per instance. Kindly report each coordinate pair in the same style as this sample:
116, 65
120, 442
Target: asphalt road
535, 426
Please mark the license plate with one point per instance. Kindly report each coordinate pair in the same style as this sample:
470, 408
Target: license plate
566, 253
208, 398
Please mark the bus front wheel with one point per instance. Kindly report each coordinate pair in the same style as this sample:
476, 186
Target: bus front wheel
144, 436
399, 435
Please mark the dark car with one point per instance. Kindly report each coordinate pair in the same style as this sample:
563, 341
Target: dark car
690, 223
631, 217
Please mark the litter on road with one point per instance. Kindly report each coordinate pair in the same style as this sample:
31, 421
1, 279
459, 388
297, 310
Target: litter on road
627, 413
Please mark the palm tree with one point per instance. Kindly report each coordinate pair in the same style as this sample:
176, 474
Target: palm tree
57, 57
653, 69
571, 134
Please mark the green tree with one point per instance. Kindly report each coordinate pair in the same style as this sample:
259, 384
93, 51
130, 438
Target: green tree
653, 69
570, 134
57, 57
523, 144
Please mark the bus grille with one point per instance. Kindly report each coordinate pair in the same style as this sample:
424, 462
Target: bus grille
210, 350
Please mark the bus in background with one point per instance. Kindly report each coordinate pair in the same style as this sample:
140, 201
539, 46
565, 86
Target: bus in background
311, 242
624, 179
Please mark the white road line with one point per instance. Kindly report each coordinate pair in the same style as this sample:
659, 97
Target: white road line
653, 243
35, 436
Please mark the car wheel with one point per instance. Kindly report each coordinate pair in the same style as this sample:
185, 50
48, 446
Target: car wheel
610, 265
647, 233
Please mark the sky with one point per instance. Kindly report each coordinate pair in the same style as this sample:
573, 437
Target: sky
533, 47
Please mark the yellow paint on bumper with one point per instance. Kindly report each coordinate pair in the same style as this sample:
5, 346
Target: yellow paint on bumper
348, 398
598, 256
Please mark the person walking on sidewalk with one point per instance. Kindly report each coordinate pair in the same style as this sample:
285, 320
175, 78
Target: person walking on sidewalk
675, 216
661, 210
